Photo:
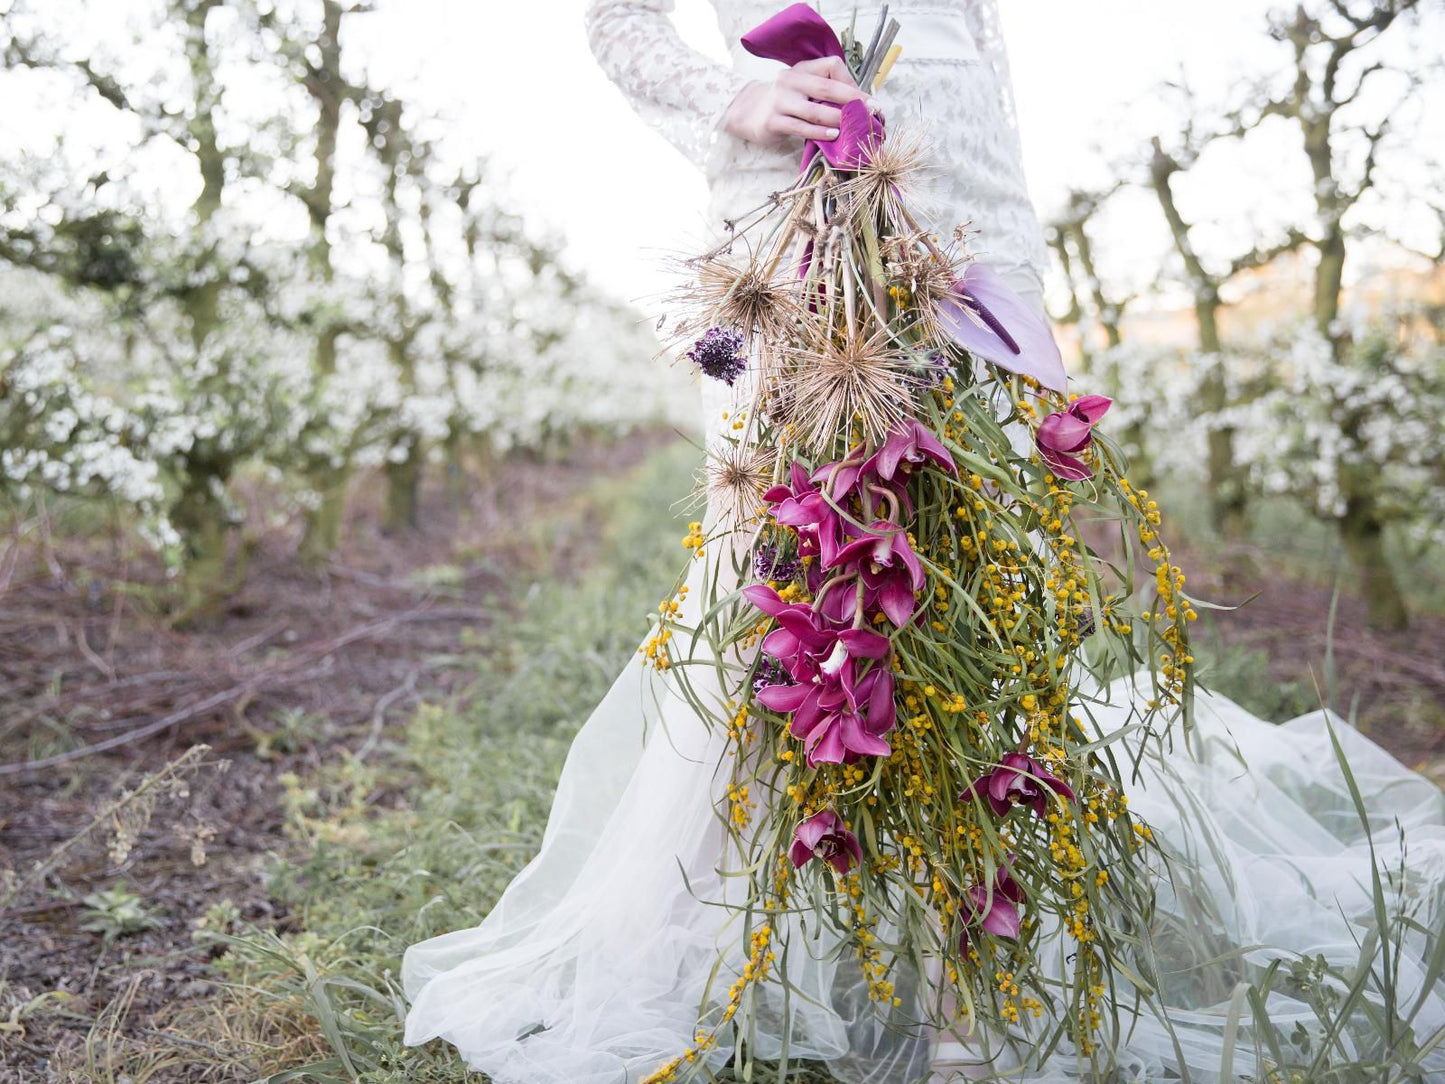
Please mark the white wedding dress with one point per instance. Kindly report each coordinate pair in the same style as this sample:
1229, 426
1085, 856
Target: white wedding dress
592, 966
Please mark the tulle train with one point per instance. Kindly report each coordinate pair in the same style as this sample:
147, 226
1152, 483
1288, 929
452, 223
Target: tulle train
591, 967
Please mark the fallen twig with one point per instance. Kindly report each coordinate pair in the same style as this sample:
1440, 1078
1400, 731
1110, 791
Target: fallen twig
378, 713
284, 673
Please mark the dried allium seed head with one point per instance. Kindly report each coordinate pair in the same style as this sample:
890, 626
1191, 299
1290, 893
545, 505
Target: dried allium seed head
778, 405
862, 381
736, 477
921, 275
762, 307
896, 172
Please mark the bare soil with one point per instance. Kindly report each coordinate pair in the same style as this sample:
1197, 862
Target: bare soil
300, 666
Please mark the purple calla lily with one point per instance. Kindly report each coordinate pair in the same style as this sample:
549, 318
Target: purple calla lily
995, 909
989, 320
1065, 434
822, 836
799, 33
1018, 780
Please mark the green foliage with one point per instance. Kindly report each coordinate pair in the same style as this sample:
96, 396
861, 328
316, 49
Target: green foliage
115, 912
478, 777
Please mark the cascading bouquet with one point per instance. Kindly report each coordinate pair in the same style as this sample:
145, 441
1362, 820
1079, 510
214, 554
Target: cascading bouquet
921, 623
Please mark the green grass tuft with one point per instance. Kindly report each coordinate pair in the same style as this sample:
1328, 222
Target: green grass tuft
424, 841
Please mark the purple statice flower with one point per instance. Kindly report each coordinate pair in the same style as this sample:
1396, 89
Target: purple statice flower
770, 672
939, 368
769, 564
719, 354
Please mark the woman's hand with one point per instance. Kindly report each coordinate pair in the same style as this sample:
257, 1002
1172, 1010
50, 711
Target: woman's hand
802, 102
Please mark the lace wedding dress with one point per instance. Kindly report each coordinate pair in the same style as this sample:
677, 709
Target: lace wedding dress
592, 966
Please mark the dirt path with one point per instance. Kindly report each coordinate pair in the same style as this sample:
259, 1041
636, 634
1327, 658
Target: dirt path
301, 667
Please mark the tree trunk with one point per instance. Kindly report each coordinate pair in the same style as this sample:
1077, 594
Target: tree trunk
403, 482
1226, 490
1363, 536
458, 483
205, 530
1227, 504
324, 522
326, 85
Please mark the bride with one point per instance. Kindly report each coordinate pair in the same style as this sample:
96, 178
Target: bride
597, 961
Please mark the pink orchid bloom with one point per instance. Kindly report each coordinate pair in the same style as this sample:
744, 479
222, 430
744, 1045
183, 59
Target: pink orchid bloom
996, 909
805, 644
827, 716
1018, 780
1066, 433
888, 567
906, 448
839, 477
823, 836
803, 507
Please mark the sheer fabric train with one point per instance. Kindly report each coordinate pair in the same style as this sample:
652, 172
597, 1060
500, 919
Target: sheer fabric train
592, 966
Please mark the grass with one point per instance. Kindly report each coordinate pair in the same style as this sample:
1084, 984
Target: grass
421, 838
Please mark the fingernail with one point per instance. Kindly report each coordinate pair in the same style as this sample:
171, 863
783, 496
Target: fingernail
832, 133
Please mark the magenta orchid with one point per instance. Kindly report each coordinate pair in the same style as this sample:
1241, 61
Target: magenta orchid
805, 645
888, 568
803, 507
1065, 434
1018, 780
906, 448
837, 719
822, 836
996, 908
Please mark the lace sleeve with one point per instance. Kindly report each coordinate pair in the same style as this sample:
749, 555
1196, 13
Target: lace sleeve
672, 86
983, 24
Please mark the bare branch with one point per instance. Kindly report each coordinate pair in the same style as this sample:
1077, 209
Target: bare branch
1294, 240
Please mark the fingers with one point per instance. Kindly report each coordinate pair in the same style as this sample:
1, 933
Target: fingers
811, 85
780, 124
795, 104
829, 67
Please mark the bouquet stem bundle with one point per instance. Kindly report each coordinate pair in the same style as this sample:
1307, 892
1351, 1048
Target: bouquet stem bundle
912, 622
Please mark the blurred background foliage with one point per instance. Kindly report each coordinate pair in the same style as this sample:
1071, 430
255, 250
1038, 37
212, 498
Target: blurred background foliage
280, 267
1304, 364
